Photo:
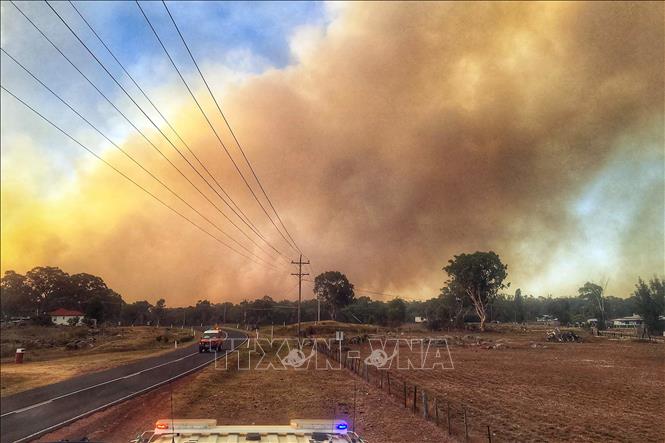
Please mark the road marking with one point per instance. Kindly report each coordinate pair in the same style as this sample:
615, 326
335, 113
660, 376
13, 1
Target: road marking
30, 407
43, 431
16, 411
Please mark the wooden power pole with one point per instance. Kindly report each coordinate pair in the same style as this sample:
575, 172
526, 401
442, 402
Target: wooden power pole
300, 275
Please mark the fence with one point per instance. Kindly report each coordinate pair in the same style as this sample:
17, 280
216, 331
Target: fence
454, 417
632, 334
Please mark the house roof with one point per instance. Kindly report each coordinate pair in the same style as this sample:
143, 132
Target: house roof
629, 318
61, 312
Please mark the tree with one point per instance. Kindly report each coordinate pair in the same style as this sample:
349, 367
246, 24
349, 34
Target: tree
96, 309
136, 313
479, 276
650, 303
47, 283
203, 312
593, 294
16, 296
519, 306
158, 310
334, 289
396, 311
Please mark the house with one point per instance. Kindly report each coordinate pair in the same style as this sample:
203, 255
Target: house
593, 322
420, 320
627, 322
62, 316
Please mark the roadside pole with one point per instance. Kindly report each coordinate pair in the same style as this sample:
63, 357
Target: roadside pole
300, 275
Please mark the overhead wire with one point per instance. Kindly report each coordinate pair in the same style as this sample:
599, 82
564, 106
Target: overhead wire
125, 117
130, 179
125, 153
217, 136
169, 141
247, 220
228, 125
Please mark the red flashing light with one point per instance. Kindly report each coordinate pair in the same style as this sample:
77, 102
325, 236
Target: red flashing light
159, 425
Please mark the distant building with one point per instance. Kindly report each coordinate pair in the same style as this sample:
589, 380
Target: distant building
631, 321
548, 320
62, 316
420, 319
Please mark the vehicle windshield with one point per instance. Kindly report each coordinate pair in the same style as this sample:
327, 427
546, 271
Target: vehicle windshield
209, 335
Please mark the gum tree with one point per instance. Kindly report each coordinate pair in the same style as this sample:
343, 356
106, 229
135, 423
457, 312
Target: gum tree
478, 276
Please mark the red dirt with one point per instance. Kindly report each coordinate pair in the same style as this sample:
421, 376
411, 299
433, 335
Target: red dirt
599, 390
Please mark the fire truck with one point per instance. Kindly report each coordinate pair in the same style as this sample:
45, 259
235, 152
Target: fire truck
212, 339
207, 430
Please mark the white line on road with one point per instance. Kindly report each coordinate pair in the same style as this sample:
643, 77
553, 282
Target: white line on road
16, 411
134, 394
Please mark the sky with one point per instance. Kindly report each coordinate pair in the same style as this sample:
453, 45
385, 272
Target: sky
389, 137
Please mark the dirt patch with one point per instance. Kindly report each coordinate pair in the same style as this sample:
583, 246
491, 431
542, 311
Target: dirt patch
528, 389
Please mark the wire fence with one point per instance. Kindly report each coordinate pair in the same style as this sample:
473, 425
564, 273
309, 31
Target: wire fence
455, 417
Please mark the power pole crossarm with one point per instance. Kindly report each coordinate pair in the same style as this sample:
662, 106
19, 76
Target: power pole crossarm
300, 275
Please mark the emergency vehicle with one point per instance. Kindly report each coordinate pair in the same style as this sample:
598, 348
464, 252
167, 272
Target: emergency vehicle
207, 430
212, 340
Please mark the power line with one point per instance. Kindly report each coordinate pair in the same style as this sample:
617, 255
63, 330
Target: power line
164, 135
127, 119
230, 129
265, 194
154, 31
368, 291
128, 178
246, 220
129, 156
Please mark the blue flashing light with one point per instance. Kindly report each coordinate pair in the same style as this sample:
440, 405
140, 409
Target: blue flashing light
342, 426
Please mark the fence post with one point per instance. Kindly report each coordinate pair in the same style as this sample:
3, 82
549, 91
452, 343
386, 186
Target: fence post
388, 380
425, 406
405, 394
449, 430
466, 427
489, 434
436, 410
415, 393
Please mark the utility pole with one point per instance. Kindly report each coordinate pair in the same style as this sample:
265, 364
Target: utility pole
300, 275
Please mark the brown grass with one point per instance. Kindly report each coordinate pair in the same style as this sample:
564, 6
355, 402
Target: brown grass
530, 390
46, 353
261, 397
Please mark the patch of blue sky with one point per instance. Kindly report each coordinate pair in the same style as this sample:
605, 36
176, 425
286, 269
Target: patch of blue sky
248, 37
212, 29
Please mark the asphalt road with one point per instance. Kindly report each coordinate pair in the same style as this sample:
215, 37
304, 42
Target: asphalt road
29, 414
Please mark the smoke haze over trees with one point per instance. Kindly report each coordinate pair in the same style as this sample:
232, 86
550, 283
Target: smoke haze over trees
47, 288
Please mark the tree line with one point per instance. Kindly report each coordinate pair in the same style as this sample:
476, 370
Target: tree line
475, 291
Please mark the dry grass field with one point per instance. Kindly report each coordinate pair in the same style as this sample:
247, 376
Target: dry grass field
523, 387
527, 389
48, 352
261, 397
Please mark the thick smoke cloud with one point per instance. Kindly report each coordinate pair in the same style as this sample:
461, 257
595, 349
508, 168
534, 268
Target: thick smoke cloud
400, 135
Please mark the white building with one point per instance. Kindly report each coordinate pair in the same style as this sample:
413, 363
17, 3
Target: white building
62, 316
420, 319
627, 322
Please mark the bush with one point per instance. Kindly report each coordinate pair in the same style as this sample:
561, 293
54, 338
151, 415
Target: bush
42, 320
